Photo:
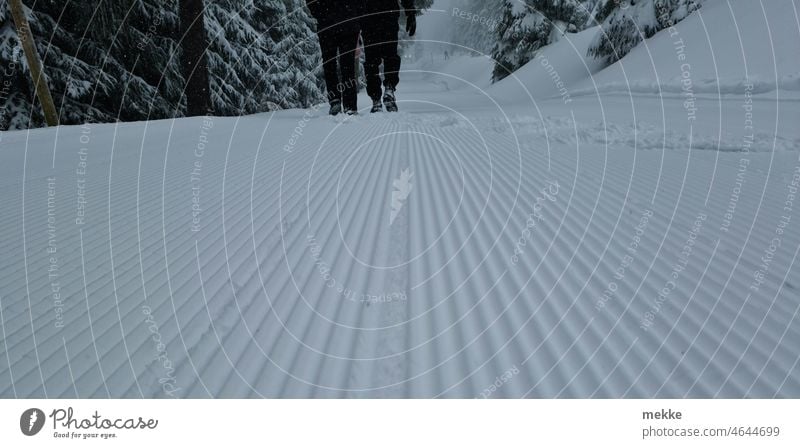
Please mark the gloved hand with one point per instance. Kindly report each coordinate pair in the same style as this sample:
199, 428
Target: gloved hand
411, 23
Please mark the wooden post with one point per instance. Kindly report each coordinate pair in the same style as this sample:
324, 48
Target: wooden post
37, 73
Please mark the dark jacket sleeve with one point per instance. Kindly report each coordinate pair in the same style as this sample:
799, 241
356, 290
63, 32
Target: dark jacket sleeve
409, 6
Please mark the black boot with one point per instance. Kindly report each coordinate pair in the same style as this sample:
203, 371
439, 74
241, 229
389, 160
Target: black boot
377, 106
336, 107
389, 100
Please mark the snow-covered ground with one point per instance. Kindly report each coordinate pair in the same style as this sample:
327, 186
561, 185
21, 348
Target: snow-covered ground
522, 239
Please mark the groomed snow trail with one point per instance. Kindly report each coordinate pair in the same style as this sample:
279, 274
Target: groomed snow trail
463, 247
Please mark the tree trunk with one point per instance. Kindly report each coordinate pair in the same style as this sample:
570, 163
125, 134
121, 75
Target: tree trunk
194, 63
34, 63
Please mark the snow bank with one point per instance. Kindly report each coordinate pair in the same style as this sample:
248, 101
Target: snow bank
719, 49
726, 47
556, 69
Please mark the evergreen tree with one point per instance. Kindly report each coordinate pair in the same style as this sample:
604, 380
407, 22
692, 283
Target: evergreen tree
97, 73
239, 57
297, 74
626, 24
110, 60
526, 26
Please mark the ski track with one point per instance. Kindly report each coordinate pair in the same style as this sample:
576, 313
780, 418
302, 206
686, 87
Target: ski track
245, 312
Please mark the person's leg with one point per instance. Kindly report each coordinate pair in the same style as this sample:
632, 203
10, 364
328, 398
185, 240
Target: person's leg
372, 58
348, 42
391, 59
329, 48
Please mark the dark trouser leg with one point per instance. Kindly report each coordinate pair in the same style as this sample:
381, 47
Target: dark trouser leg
330, 56
391, 60
348, 42
372, 60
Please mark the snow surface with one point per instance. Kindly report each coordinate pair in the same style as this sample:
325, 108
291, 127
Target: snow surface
486, 241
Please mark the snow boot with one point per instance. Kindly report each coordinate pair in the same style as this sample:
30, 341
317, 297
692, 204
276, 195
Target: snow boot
377, 106
351, 112
389, 100
336, 107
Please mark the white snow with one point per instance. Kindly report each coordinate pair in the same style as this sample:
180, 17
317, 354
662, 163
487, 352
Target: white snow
600, 244
719, 49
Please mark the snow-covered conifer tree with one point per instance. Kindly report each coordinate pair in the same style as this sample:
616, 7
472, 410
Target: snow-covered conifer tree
628, 22
120, 60
525, 26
